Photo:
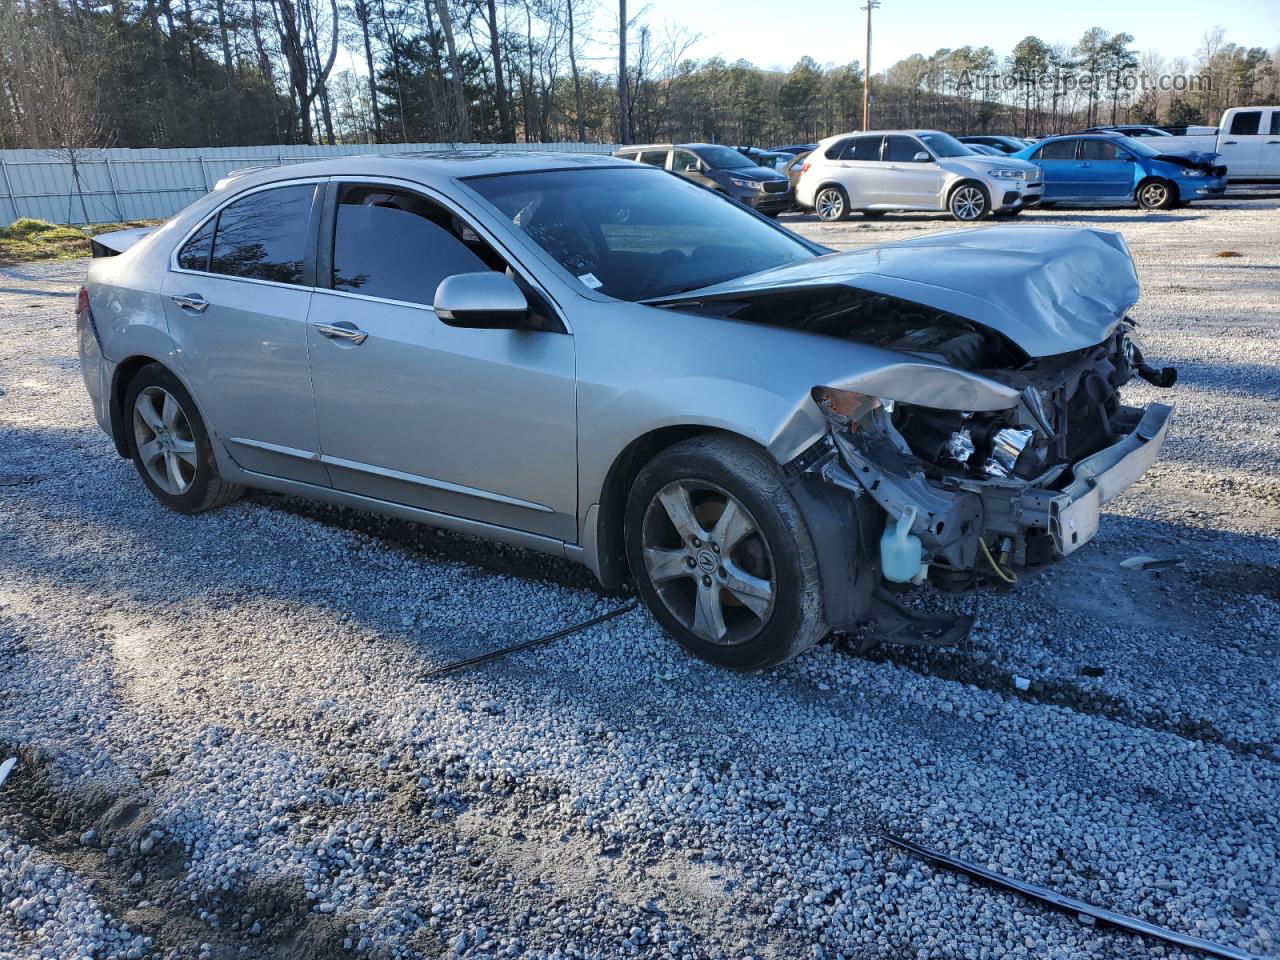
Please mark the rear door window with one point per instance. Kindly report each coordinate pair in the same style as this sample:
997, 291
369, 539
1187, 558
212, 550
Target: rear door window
264, 235
1246, 123
863, 149
654, 158
1097, 150
834, 151
399, 246
1275, 123
194, 254
1058, 150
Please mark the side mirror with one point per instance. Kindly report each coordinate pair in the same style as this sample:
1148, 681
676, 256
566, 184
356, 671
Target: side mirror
923, 157
481, 301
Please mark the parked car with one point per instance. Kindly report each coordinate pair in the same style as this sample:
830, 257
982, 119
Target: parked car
565, 353
876, 172
1005, 145
1248, 140
1109, 168
1129, 130
983, 150
792, 169
794, 148
719, 168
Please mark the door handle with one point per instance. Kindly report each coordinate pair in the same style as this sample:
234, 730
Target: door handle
1229, 143
1272, 143
191, 301
342, 330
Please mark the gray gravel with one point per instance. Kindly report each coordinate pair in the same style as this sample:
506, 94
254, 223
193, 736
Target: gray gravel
229, 748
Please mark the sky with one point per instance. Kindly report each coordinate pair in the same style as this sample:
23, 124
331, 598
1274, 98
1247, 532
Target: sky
776, 33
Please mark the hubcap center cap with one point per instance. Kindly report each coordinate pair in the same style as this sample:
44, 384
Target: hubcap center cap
707, 561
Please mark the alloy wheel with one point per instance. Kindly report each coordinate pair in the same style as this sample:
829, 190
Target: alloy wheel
830, 204
1154, 195
968, 203
166, 445
708, 561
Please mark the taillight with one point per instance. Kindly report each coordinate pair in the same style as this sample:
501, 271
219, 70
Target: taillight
804, 168
82, 301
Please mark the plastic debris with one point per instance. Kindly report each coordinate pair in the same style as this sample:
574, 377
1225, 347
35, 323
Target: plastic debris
1143, 562
6, 768
1022, 683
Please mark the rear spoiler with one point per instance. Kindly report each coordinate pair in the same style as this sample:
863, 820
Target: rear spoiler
117, 241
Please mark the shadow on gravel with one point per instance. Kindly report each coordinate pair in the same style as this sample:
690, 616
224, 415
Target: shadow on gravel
104, 837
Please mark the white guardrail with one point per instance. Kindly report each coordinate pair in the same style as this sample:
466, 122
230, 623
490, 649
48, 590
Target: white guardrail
122, 184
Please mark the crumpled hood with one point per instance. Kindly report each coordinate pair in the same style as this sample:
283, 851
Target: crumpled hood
1048, 289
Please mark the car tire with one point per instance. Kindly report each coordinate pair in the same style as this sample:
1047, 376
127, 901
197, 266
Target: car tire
170, 446
1156, 194
831, 203
721, 555
969, 202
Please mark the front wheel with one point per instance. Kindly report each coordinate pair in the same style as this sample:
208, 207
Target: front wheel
969, 202
170, 445
831, 204
1156, 195
721, 555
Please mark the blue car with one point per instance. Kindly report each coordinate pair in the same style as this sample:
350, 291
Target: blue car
1110, 168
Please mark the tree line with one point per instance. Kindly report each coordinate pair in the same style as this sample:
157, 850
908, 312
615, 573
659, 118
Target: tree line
78, 74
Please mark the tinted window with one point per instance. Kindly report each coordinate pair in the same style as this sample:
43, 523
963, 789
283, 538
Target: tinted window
898, 149
1247, 123
654, 158
1275, 123
1097, 150
195, 252
833, 152
863, 148
1058, 150
400, 246
264, 236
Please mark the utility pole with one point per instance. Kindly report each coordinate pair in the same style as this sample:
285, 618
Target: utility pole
866, 69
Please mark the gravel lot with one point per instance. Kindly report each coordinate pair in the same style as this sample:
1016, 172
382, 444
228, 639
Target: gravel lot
228, 745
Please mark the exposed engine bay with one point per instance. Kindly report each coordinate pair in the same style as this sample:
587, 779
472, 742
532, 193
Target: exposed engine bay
985, 491
983, 487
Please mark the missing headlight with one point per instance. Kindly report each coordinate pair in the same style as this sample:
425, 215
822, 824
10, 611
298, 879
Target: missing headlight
1007, 446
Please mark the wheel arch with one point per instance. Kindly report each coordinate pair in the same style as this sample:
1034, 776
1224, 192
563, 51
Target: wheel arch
965, 182
1157, 178
125, 371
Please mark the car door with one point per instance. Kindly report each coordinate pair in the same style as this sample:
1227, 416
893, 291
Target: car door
860, 170
1243, 142
911, 182
1106, 170
236, 299
471, 423
1057, 160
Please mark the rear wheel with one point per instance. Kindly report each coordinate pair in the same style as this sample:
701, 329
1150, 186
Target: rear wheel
721, 555
170, 446
1156, 195
969, 202
831, 204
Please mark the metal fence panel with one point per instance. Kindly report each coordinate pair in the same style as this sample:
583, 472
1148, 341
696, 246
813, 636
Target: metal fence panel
153, 183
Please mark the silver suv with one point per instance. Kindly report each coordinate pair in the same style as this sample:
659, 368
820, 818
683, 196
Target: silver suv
876, 172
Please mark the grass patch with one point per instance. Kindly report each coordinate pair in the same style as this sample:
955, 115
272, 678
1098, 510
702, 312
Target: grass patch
1228, 253
28, 239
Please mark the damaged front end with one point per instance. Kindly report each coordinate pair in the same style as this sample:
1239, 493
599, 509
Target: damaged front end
990, 491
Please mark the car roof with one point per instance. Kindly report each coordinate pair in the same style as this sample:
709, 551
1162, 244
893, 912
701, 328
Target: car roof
430, 166
877, 133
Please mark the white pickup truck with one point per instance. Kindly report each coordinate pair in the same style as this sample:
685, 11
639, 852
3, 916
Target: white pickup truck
1248, 139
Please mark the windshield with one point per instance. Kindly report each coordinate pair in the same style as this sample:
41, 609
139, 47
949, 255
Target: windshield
636, 233
722, 158
944, 145
1138, 147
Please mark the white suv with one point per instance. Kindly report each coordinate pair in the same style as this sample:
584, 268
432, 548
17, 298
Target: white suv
876, 172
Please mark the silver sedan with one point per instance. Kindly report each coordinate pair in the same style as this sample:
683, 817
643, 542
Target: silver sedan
602, 361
